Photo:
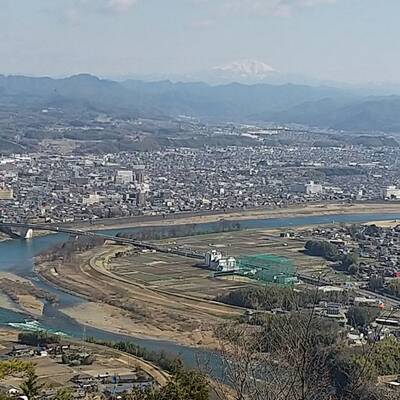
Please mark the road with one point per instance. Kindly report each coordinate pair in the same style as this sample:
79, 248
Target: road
389, 300
116, 239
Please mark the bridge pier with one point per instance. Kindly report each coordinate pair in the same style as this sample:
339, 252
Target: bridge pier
28, 234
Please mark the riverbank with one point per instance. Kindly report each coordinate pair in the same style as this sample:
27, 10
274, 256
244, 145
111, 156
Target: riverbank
112, 319
131, 309
20, 295
322, 209
142, 304
3, 238
17, 255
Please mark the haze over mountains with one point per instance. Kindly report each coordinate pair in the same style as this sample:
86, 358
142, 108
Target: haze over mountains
325, 107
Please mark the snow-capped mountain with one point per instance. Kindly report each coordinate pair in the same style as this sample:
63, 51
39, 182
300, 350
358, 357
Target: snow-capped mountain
248, 70
244, 71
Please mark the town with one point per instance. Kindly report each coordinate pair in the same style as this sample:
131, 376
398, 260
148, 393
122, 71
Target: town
48, 186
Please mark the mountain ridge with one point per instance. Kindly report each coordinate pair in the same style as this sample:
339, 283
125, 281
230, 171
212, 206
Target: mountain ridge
322, 106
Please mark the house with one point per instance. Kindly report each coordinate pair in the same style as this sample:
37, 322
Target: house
22, 350
83, 379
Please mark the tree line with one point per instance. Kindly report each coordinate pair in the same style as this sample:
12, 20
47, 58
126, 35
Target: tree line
270, 297
322, 248
175, 231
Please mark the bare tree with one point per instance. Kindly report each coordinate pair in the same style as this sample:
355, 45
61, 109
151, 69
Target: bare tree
288, 356
280, 361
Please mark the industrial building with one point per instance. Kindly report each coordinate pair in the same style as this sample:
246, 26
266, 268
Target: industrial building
215, 261
391, 192
265, 268
310, 188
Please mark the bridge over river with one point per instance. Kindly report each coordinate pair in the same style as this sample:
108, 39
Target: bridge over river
25, 231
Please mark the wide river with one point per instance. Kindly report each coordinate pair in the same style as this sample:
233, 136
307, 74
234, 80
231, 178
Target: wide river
16, 256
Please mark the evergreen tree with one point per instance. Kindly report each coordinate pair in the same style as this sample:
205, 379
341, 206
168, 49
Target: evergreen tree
31, 387
64, 394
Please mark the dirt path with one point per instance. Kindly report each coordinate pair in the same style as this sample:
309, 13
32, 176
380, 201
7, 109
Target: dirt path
124, 307
159, 296
160, 376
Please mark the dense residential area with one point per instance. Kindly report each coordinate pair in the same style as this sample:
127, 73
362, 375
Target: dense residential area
53, 187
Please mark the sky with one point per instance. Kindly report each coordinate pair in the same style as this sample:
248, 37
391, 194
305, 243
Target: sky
352, 41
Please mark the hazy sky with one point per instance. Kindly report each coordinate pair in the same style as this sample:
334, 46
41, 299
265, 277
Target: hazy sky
342, 40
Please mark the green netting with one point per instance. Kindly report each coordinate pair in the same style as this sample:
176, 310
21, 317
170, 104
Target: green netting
267, 268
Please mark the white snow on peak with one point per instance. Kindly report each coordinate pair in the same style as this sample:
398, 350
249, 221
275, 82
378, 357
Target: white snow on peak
247, 69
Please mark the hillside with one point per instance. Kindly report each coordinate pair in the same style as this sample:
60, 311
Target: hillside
88, 96
89, 93
365, 115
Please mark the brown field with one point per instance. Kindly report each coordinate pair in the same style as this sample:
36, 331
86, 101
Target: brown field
182, 275
172, 273
153, 294
132, 307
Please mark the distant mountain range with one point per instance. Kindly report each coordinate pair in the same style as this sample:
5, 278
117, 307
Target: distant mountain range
370, 114
325, 107
246, 71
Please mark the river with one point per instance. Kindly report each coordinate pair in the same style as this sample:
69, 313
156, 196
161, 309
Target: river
16, 256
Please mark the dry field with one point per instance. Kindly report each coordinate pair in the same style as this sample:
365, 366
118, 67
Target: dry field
184, 275
163, 295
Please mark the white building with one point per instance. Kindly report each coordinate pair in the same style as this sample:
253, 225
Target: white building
124, 177
212, 258
228, 264
91, 199
215, 261
312, 188
391, 192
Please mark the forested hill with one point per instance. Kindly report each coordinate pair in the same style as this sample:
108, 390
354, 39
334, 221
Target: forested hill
308, 105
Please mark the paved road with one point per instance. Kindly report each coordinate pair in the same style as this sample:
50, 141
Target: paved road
116, 239
389, 300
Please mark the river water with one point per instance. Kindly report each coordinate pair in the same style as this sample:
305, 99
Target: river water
16, 256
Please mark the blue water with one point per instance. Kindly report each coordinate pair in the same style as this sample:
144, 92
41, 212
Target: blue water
55, 322
272, 222
16, 256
